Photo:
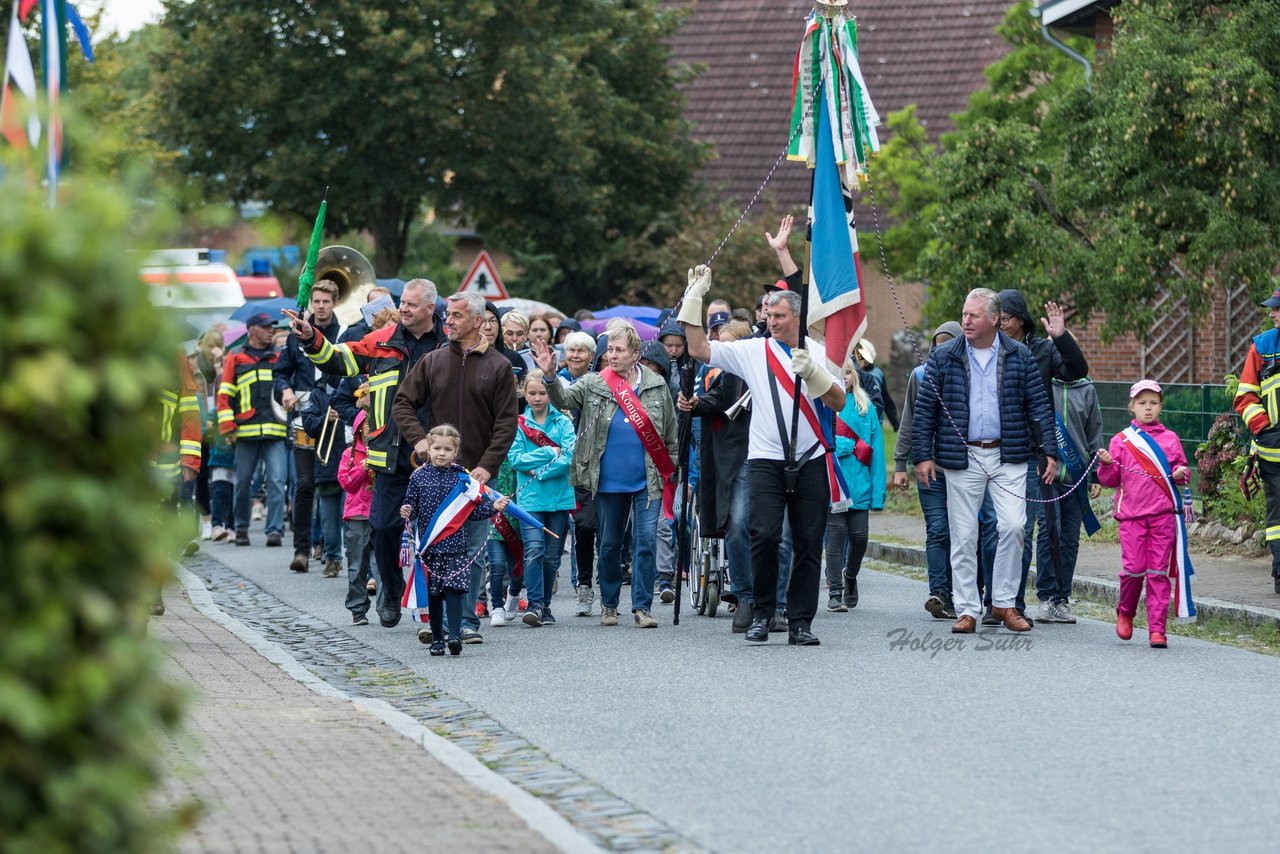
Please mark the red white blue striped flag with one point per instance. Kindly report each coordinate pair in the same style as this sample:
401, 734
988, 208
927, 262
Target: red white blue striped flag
837, 308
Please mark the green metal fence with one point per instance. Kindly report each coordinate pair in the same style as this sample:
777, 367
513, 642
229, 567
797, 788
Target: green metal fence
1189, 411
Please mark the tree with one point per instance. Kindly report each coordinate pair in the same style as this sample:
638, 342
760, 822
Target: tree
1151, 184
83, 704
554, 126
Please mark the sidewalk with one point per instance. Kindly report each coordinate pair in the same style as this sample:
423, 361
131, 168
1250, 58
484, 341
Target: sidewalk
1228, 586
278, 767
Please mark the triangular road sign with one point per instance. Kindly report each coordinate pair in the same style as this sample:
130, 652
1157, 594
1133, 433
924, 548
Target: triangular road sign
483, 278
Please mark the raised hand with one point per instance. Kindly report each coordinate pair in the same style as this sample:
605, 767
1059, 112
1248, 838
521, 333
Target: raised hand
699, 282
544, 357
299, 325
1055, 325
779, 243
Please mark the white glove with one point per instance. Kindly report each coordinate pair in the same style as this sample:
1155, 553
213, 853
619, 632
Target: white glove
819, 381
691, 304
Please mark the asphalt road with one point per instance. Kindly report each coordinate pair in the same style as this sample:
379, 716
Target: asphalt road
1062, 739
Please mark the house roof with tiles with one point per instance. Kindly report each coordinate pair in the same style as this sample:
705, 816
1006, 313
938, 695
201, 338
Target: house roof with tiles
927, 52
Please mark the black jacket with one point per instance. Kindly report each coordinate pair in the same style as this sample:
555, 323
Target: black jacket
1057, 358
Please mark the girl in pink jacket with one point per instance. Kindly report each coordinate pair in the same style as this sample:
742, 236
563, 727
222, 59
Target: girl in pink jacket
357, 481
1145, 510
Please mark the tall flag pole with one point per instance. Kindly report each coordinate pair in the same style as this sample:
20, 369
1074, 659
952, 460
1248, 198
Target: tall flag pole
308, 277
834, 131
54, 16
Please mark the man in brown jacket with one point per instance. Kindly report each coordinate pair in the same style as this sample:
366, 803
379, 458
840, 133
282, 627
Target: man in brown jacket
471, 386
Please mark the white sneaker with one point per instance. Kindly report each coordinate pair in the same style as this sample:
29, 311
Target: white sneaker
513, 605
1047, 613
206, 530
585, 597
498, 619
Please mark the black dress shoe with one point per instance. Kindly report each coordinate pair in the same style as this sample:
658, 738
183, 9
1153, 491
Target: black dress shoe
759, 631
389, 618
742, 618
1277, 581
801, 636
455, 646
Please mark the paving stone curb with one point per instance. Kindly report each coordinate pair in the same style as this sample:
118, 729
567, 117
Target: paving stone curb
348, 666
1100, 589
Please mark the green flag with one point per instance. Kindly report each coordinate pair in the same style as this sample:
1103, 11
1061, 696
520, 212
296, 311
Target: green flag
308, 277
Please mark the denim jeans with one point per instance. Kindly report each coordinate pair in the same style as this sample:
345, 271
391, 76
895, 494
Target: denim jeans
477, 536
542, 553
738, 540
249, 454
612, 511
220, 497
937, 536
359, 557
330, 504
1053, 579
500, 582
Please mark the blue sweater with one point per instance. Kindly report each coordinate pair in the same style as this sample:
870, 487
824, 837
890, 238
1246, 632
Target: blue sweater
1025, 414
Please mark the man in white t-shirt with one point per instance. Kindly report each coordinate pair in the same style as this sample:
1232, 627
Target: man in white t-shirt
782, 477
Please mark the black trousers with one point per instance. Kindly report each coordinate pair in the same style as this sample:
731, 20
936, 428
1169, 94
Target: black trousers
584, 524
1269, 473
807, 507
385, 528
304, 463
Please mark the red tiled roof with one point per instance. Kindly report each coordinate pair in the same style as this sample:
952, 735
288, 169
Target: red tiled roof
927, 52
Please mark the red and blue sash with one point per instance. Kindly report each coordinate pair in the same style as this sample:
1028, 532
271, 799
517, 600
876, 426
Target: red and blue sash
819, 418
640, 421
1152, 460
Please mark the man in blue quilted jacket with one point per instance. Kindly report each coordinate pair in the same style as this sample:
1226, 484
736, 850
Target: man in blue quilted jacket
981, 414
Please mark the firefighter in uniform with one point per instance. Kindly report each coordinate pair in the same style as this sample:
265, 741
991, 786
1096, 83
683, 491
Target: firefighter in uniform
386, 355
178, 458
248, 418
1258, 403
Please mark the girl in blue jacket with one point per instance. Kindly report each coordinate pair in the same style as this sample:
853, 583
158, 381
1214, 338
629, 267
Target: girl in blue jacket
860, 453
541, 455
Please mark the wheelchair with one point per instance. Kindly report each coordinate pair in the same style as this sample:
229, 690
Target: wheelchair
708, 569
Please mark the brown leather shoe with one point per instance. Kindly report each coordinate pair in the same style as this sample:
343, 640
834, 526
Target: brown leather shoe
1013, 621
964, 626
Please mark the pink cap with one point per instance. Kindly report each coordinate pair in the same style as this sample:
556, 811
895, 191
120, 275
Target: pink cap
1145, 385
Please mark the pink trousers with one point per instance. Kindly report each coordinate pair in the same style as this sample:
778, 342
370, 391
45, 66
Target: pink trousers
1146, 546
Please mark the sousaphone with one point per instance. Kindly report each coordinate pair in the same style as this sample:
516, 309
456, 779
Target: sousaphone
353, 274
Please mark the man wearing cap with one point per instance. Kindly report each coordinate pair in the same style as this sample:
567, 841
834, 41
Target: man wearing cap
1258, 402
247, 417
997, 419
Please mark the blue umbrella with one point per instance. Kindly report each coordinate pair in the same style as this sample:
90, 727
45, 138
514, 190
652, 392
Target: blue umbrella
645, 313
270, 306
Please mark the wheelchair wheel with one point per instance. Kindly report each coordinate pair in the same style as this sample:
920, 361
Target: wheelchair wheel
697, 558
713, 598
